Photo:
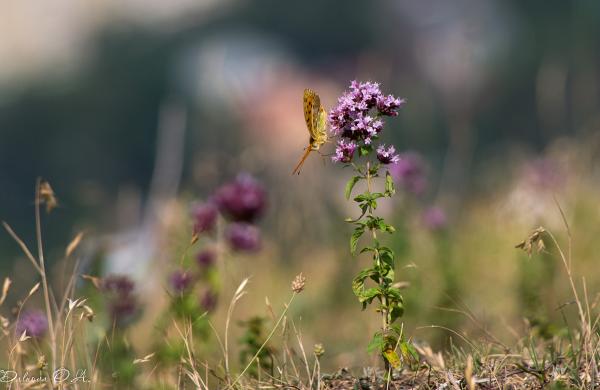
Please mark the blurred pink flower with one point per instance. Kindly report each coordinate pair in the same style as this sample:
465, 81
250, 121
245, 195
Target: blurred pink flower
434, 218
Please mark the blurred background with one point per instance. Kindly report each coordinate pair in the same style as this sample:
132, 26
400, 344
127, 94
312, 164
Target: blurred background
133, 108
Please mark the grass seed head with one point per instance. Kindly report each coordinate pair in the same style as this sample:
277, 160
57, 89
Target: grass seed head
47, 196
534, 241
298, 283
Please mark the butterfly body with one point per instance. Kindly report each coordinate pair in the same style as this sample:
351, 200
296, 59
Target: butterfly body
316, 123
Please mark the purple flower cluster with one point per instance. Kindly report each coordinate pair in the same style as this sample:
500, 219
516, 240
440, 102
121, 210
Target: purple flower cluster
409, 172
357, 116
387, 155
243, 237
242, 200
205, 217
33, 323
344, 151
120, 298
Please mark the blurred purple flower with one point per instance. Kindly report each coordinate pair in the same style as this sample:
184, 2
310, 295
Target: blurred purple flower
118, 285
206, 258
181, 281
121, 302
344, 151
209, 300
243, 237
244, 199
434, 218
409, 172
33, 323
350, 118
387, 155
205, 217
123, 310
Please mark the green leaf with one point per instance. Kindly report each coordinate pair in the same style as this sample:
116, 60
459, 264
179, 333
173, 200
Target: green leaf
388, 275
396, 312
374, 170
369, 294
384, 227
394, 294
409, 352
389, 185
377, 343
350, 185
386, 256
358, 283
362, 197
363, 208
368, 249
363, 150
358, 232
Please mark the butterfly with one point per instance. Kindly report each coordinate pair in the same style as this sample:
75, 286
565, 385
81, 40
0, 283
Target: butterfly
316, 122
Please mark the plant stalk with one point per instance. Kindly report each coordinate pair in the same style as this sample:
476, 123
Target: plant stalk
38, 231
385, 325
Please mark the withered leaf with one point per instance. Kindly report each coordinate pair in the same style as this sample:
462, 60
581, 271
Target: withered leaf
97, 282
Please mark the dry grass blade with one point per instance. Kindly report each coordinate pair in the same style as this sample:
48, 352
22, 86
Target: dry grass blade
73, 244
97, 282
465, 339
22, 245
33, 289
281, 317
305, 360
5, 288
435, 359
145, 359
193, 374
239, 293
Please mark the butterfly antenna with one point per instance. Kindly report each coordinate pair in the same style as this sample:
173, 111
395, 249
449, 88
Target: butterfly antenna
304, 157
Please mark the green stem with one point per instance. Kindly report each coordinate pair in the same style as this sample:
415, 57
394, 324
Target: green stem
384, 311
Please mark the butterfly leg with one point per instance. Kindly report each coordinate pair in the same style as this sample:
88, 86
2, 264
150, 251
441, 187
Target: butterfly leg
304, 157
